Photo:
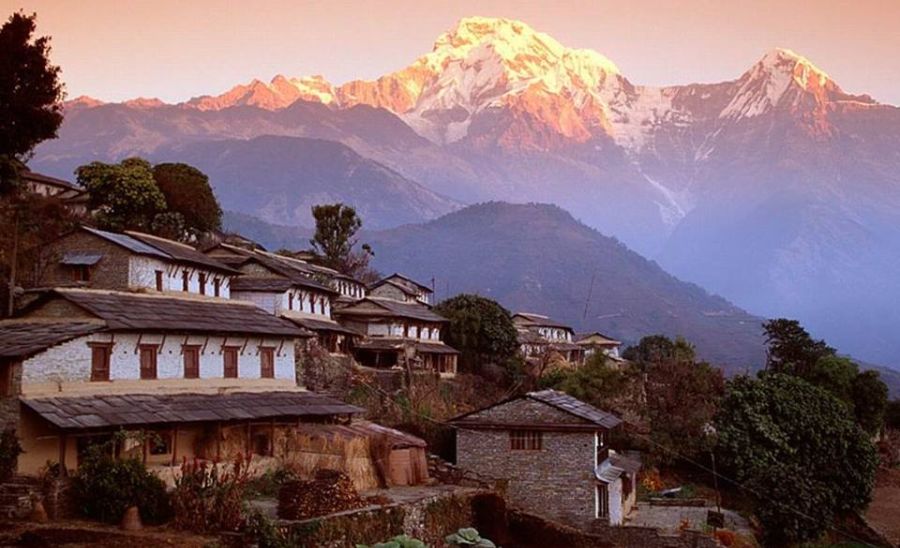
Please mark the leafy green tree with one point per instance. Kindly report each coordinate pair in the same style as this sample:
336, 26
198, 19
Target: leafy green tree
30, 94
480, 329
123, 196
835, 374
335, 238
791, 348
892, 414
870, 399
189, 194
654, 349
597, 384
795, 447
682, 400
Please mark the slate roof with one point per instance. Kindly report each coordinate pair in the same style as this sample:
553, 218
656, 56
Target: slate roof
134, 311
316, 324
407, 291
406, 279
104, 411
80, 258
129, 243
574, 406
540, 320
397, 309
435, 348
264, 284
581, 338
22, 339
33, 176
181, 252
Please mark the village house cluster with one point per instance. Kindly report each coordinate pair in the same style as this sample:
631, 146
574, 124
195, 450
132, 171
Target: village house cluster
200, 349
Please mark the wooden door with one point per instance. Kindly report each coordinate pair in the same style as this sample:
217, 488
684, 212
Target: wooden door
230, 356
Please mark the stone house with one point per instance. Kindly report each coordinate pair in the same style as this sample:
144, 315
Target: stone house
74, 197
553, 450
398, 334
398, 287
205, 374
598, 343
98, 259
539, 335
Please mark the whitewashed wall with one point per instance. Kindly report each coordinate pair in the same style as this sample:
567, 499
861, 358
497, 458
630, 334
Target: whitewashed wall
71, 361
142, 274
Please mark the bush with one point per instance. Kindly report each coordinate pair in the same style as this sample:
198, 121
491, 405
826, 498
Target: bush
207, 498
105, 487
468, 537
10, 449
400, 541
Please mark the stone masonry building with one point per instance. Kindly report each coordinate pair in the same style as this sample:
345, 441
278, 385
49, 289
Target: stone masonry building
553, 450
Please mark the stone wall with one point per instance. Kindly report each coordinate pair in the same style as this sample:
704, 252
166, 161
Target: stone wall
9, 404
429, 519
557, 480
111, 272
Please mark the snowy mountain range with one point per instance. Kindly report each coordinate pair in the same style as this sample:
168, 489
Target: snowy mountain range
777, 189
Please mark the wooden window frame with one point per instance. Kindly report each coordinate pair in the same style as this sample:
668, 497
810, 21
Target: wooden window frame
201, 282
7, 372
226, 350
185, 280
602, 500
266, 372
159, 280
526, 440
217, 287
193, 349
100, 374
145, 372
81, 273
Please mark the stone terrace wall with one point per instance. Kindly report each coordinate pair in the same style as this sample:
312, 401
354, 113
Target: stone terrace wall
429, 519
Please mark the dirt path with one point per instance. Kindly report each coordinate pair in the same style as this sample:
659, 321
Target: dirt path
78, 534
884, 512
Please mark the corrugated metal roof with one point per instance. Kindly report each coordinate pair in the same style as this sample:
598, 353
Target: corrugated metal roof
103, 411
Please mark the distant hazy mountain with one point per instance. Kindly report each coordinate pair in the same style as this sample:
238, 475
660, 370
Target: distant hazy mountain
777, 189
538, 258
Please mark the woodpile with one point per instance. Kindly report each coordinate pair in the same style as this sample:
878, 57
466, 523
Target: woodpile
330, 491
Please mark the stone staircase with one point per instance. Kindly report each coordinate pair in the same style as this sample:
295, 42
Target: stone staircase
16, 497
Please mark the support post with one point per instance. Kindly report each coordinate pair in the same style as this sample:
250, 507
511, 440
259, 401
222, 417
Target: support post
272, 438
218, 441
144, 444
174, 444
62, 455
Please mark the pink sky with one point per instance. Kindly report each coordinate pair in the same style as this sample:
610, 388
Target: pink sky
118, 49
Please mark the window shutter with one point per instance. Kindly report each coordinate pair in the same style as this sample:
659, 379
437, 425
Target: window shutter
267, 363
191, 362
100, 362
230, 357
148, 362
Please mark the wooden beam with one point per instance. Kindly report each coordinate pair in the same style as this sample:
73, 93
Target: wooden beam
63, 472
144, 447
218, 441
174, 444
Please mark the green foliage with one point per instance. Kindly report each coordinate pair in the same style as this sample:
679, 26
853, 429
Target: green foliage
123, 196
334, 239
870, 399
30, 90
892, 414
468, 537
595, 383
795, 446
105, 487
654, 349
793, 351
209, 497
682, 400
10, 449
791, 348
188, 193
480, 329
400, 541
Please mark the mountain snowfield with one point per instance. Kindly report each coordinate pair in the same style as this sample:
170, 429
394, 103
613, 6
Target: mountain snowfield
777, 190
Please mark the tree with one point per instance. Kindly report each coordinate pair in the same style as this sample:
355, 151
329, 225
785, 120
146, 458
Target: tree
791, 348
795, 448
123, 196
335, 238
682, 401
188, 194
30, 94
892, 414
597, 384
480, 329
870, 400
654, 349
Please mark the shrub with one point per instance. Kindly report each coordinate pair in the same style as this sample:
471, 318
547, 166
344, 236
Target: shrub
105, 487
208, 498
400, 541
10, 449
468, 537
266, 534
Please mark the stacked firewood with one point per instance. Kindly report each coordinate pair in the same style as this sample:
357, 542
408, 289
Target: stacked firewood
330, 491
